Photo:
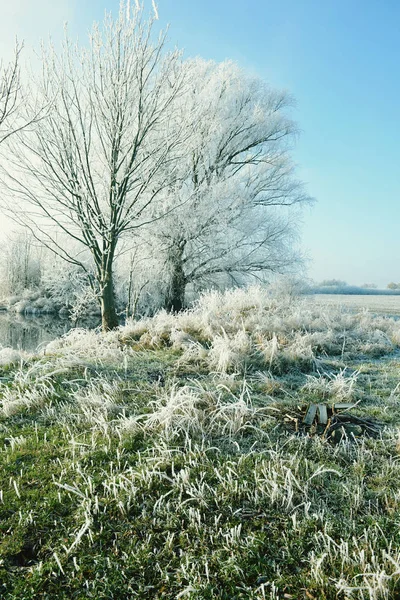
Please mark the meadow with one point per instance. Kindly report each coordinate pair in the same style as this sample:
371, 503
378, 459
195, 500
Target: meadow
380, 304
165, 459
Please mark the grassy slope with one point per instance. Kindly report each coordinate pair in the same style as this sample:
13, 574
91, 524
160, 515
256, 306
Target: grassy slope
143, 464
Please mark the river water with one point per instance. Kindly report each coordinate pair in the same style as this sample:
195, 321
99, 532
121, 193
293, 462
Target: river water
30, 333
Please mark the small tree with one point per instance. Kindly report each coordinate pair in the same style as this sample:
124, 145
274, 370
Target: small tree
93, 167
20, 267
393, 286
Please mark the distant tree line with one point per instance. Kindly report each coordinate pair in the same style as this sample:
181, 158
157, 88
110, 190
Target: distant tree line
337, 286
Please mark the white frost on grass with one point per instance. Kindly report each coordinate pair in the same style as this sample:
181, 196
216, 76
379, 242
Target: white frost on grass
239, 325
21, 398
82, 346
9, 356
230, 351
194, 411
339, 385
229, 331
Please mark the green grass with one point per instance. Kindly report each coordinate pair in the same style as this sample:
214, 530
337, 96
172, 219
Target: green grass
102, 506
151, 475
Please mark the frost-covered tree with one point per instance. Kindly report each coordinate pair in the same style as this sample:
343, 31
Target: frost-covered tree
234, 185
369, 286
69, 289
20, 263
92, 167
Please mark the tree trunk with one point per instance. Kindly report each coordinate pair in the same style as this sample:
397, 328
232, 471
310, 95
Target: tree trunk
175, 296
109, 318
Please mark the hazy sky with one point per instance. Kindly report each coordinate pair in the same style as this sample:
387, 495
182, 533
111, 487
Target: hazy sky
340, 59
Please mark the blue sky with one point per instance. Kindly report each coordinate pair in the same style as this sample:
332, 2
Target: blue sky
340, 59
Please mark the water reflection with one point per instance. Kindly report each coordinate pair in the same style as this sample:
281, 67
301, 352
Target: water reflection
25, 332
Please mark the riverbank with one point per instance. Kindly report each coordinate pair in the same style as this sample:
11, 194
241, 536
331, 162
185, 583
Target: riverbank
40, 302
163, 460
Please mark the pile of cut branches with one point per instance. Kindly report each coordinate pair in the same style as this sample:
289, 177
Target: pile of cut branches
330, 422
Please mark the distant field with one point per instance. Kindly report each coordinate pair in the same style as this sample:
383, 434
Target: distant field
383, 305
